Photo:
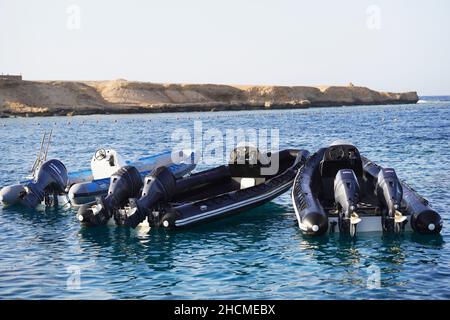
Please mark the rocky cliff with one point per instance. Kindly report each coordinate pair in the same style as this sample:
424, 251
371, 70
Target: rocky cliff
34, 98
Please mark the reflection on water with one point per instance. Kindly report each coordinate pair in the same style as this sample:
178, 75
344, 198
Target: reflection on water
259, 254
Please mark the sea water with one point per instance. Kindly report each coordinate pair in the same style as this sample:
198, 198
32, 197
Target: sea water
260, 254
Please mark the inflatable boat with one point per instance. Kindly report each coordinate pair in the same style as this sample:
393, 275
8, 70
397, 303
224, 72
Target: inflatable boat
338, 190
51, 184
249, 180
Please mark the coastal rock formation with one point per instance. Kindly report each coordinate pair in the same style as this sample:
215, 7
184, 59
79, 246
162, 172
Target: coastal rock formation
28, 98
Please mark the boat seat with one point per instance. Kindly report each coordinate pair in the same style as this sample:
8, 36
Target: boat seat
245, 183
340, 157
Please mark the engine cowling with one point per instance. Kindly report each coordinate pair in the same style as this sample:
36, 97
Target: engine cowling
51, 179
159, 185
346, 195
125, 183
346, 190
390, 193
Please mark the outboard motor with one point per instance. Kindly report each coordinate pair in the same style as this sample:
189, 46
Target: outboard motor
125, 183
390, 193
159, 185
51, 179
346, 195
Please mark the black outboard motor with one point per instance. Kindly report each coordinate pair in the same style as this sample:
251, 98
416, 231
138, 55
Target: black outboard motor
424, 219
390, 192
51, 179
159, 185
346, 195
125, 183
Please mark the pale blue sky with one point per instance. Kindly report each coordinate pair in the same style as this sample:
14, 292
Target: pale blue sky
232, 41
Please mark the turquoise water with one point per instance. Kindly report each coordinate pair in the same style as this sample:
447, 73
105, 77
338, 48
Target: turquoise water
259, 254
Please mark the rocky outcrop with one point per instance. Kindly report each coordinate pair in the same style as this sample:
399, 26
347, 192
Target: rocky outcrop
28, 98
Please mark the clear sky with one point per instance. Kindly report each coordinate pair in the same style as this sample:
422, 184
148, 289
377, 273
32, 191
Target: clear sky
396, 45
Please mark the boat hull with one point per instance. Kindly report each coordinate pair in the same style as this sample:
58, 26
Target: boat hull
231, 203
197, 217
206, 195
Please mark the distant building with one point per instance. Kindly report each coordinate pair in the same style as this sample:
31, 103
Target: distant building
10, 77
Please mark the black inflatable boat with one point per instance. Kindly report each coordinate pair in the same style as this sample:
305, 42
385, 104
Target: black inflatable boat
249, 180
337, 190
